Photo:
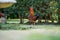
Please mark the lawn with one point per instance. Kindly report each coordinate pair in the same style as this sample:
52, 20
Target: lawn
16, 31
38, 36
13, 24
32, 34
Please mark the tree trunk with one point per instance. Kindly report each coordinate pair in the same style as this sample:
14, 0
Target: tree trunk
45, 19
6, 19
58, 20
21, 20
39, 19
51, 18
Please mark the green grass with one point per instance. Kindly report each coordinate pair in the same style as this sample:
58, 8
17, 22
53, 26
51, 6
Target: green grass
37, 36
14, 24
24, 27
33, 36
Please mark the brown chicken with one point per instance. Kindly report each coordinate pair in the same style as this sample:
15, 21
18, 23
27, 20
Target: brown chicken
32, 18
1, 14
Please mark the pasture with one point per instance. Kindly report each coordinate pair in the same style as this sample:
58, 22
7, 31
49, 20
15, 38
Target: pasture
15, 31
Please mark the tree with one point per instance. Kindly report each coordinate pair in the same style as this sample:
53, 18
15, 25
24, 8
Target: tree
53, 8
42, 7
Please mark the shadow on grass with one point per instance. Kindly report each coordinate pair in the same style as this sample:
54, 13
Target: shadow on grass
17, 26
43, 23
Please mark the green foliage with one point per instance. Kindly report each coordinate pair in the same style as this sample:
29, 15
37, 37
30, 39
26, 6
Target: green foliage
54, 7
55, 16
21, 8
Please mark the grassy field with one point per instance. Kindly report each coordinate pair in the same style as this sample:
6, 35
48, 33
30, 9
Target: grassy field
25, 20
38, 36
13, 24
15, 31
24, 27
32, 34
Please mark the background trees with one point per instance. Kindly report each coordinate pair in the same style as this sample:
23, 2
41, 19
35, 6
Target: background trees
43, 8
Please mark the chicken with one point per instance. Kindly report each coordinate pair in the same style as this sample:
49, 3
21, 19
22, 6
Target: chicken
1, 14
32, 18
2, 18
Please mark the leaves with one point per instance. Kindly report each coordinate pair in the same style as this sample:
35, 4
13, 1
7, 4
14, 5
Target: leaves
40, 6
